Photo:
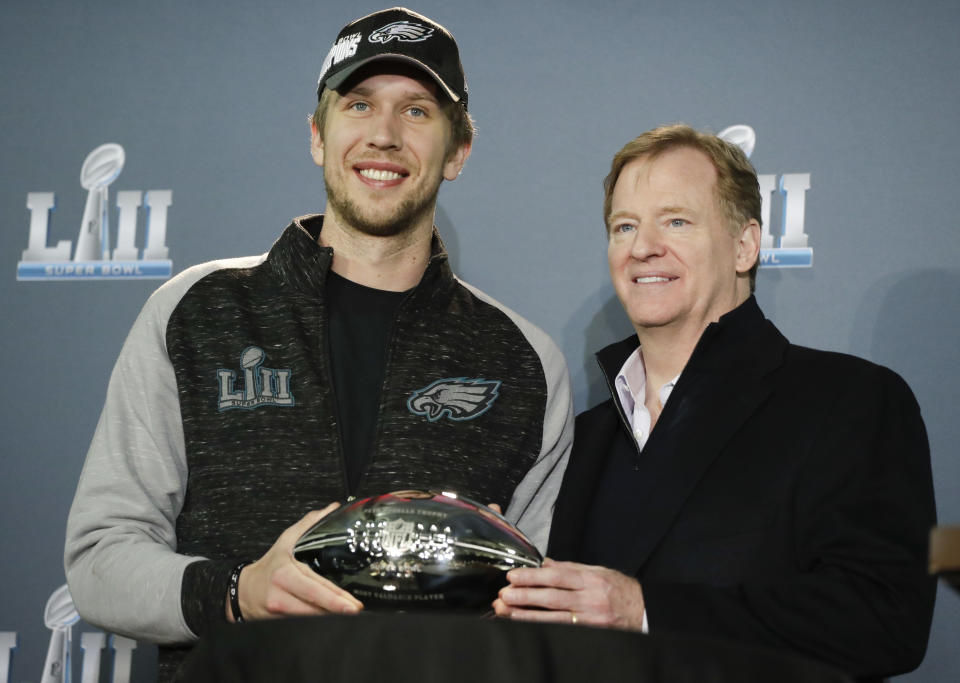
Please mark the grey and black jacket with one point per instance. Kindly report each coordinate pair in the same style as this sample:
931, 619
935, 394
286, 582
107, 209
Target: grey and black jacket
220, 428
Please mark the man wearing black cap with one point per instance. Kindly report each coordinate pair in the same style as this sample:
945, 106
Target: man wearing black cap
347, 361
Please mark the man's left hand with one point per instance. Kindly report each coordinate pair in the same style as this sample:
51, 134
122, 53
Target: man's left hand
567, 592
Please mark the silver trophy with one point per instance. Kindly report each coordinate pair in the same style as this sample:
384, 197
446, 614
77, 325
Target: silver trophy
59, 616
100, 168
742, 136
417, 550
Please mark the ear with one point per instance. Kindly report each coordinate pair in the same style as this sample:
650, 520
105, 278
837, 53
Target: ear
316, 144
454, 164
748, 246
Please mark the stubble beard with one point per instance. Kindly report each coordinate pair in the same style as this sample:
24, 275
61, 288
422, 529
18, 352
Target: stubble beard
415, 208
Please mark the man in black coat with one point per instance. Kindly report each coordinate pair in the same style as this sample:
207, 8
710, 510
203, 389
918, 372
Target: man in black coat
734, 485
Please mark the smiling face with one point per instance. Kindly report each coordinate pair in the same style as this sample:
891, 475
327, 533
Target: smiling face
385, 152
675, 260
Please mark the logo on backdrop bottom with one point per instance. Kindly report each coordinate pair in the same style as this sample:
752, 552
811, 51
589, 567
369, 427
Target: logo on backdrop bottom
60, 616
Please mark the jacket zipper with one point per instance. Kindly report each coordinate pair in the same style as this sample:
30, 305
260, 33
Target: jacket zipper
328, 353
623, 415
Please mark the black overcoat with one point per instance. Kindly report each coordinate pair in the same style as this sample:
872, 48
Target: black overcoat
784, 498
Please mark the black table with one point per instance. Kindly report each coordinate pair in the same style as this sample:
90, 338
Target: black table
423, 648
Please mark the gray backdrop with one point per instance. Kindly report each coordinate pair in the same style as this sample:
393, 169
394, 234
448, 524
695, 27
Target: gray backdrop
210, 100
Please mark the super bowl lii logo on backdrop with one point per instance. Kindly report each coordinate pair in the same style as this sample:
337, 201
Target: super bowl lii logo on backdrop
60, 616
93, 259
788, 245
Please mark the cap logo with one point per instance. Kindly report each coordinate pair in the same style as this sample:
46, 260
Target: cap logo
403, 31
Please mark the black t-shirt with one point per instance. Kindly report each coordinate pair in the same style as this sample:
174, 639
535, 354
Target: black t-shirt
360, 319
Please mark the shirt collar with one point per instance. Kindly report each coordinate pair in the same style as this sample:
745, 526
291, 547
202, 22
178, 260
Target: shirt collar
631, 386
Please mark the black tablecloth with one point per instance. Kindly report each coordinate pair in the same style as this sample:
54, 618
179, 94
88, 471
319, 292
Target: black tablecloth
423, 648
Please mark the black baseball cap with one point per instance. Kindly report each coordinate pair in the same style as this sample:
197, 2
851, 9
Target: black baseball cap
398, 34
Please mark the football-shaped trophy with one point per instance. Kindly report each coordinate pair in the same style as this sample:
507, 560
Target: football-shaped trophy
417, 550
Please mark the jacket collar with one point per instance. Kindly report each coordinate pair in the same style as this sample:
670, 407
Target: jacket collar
757, 346
300, 262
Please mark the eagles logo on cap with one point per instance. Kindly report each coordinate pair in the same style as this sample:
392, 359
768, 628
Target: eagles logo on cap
401, 30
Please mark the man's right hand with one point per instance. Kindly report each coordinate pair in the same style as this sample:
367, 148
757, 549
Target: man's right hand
278, 585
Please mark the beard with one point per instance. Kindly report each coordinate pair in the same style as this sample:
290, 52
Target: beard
411, 211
